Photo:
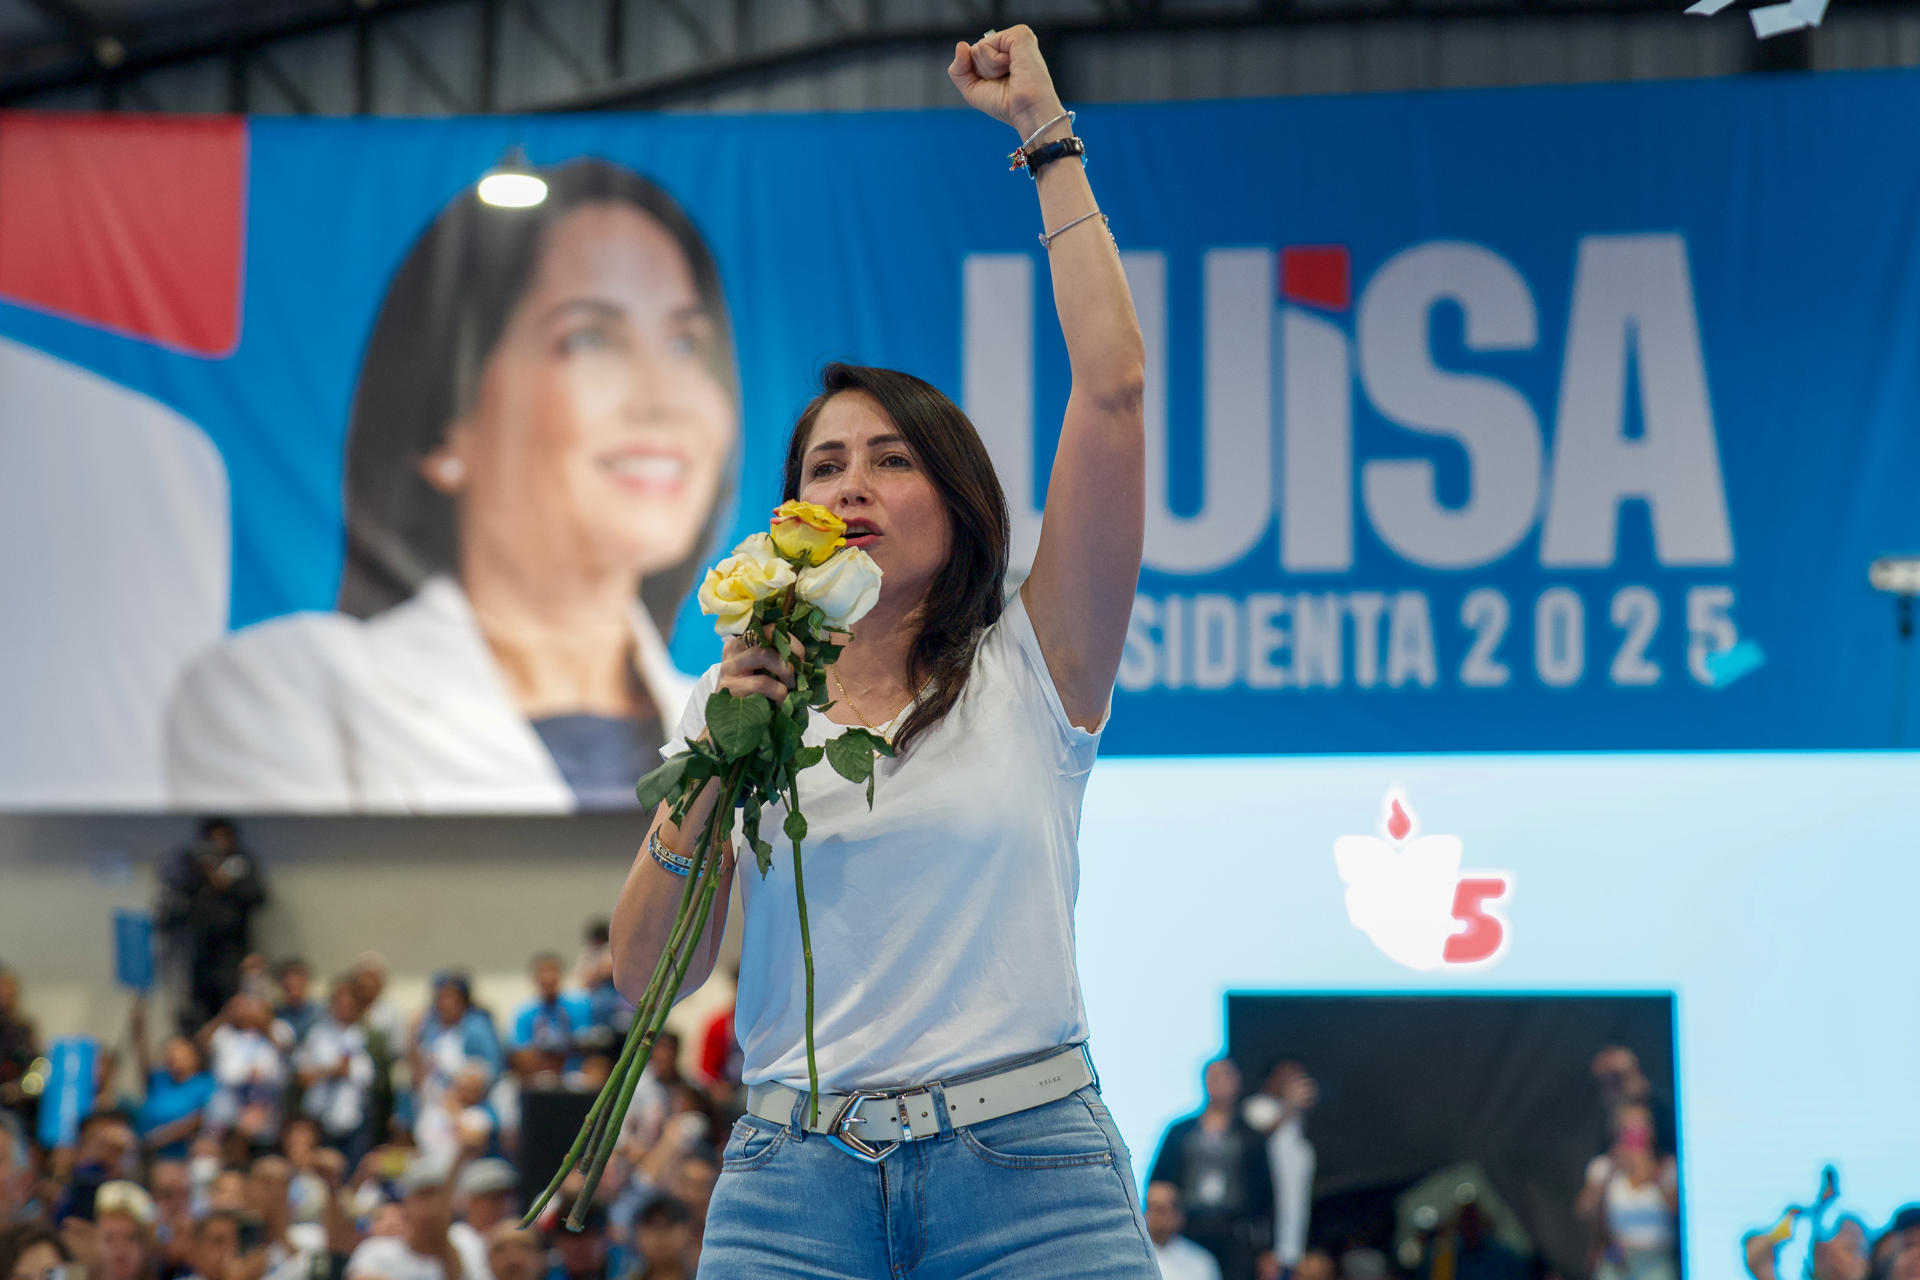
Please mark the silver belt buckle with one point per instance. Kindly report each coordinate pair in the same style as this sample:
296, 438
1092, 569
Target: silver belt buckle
852, 1144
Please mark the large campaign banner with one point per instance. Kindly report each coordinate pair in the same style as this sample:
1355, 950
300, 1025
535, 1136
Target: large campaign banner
1530, 420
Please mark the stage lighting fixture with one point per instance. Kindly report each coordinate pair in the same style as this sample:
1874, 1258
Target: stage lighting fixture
1895, 575
512, 184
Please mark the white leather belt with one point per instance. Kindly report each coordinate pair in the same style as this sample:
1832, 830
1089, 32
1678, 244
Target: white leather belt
870, 1123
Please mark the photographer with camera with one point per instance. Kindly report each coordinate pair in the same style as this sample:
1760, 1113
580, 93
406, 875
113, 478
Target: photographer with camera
208, 894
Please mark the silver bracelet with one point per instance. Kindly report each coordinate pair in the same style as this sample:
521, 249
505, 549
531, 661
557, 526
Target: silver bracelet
667, 858
1064, 115
1047, 237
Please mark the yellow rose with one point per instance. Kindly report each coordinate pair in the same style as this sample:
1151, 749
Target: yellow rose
753, 572
806, 531
843, 588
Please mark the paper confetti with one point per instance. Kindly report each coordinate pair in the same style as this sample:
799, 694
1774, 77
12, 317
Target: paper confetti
1728, 665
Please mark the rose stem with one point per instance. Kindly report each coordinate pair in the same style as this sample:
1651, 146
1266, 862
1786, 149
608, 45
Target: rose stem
806, 953
636, 1034
709, 881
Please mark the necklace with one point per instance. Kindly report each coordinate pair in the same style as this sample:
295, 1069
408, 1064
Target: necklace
859, 715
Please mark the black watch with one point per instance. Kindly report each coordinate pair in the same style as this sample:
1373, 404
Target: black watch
1047, 154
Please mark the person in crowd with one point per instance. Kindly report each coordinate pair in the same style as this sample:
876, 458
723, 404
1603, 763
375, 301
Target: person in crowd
172, 1188
1619, 1082
663, 1241
32, 1251
552, 1023
516, 1253
691, 1183
542, 445
1468, 1250
460, 1126
1179, 1257
586, 1254
249, 1072
106, 1149
1279, 1111
222, 1250
1219, 1164
209, 892
19, 1046
386, 1025
1896, 1254
449, 1035
269, 1183
176, 1095
297, 1007
16, 1172
482, 1200
336, 1072
1631, 1202
1315, 1264
124, 1216
427, 1245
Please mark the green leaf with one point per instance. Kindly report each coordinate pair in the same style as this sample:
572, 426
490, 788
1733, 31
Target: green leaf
870, 793
656, 786
851, 756
796, 825
807, 757
738, 725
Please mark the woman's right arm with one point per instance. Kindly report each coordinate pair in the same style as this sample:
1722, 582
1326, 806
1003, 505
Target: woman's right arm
643, 917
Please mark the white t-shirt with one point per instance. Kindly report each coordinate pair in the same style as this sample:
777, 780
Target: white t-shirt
389, 1258
1182, 1259
942, 921
1638, 1218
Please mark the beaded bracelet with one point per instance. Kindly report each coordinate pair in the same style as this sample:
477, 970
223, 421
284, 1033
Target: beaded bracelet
667, 858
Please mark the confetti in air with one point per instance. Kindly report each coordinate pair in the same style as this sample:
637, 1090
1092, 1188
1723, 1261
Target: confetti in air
1771, 19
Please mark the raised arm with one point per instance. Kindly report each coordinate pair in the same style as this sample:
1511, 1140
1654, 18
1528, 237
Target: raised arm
1080, 592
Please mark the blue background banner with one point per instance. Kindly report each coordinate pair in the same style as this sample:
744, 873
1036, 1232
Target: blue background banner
1478, 421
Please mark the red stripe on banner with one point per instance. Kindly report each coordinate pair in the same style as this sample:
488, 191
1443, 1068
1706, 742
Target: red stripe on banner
133, 223
1317, 275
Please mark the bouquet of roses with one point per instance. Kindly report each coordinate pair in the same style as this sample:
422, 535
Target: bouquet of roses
797, 589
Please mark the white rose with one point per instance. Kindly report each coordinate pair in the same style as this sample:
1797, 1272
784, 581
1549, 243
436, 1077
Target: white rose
843, 588
753, 572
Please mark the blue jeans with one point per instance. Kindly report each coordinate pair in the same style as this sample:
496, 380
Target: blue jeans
1042, 1194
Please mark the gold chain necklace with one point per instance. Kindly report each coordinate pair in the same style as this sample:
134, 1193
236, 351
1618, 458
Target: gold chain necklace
860, 715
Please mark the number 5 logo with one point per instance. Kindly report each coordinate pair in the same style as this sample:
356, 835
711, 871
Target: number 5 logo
1407, 893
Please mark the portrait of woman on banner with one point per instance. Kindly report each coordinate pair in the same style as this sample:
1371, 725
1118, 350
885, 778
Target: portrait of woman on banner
543, 444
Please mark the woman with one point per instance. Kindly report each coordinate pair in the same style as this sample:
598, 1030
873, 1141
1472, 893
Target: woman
249, 1072
1632, 1201
123, 1214
942, 920
177, 1093
542, 436
449, 1036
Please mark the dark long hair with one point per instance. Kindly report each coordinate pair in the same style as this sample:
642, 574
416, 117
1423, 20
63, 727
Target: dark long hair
442, 316
966, 594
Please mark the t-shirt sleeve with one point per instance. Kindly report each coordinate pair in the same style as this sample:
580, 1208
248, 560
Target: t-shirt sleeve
1013, 640
693, 719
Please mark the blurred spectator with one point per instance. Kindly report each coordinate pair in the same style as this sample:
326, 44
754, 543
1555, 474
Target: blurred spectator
123, 1216
461, 1125
552, 1023
691, 1183
174, 1104
1619, 1082
595, 962
268, 1184
30, 1251
515, 1254
218, 1252
1468, 1250
1364, 1264
720, 1057
1896, 1254
19, 1046
1279, 1111
16, 1173
106, 1150
482, 1200
662, 1241
1219, 1163
1632, 1200
383, 1020
336, 1072
297, 1008
208, 894
451, 1034
172, 1190
583, 1254
426, 1244
250, 1075
1179, 1257
1314, 1265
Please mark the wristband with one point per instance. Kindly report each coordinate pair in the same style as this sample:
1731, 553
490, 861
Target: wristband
667, 858
1038, 156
